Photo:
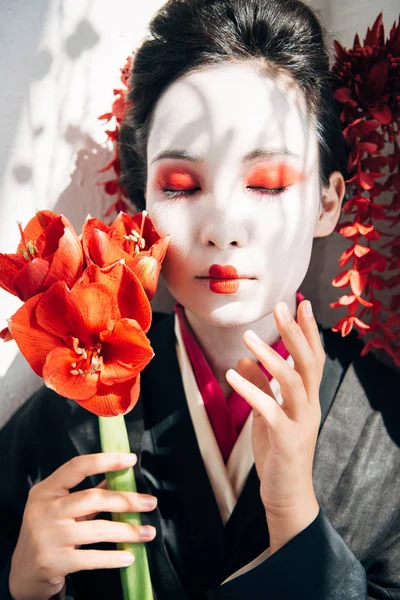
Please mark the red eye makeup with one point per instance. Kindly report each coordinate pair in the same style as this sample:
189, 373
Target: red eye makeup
273, 176
177, 179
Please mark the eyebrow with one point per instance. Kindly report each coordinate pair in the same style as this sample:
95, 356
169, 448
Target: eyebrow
258, 153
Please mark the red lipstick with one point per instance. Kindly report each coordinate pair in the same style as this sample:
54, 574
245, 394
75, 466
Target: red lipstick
220, 272
224, 279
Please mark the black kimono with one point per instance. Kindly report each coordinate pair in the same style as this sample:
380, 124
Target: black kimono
350, 552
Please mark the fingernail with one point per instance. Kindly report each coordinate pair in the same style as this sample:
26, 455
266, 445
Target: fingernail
148, 502
308, 308
129, 459
253, 337
283, 311
127, 559
147, 531
232, 374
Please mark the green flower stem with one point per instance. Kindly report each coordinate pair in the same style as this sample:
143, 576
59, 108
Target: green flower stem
135, 579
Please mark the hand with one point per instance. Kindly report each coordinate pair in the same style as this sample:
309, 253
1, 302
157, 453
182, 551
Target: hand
56, 523
284, 437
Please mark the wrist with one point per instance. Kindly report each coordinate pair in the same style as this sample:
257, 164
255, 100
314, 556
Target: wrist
287, 522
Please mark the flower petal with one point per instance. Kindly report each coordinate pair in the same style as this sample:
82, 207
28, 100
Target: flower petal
37, 225
30, 279
67, 262
34, 342
81, 312
126, 351
149, 233
122, 225
147, 269
103, 251
112, 400
6, 335
159, 249
124, 286
10, 266
58, 377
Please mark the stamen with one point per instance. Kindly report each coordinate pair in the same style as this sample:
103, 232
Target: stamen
24, 254
76, 347
81, 372
23, 240
30, 246
74, 372
144, 215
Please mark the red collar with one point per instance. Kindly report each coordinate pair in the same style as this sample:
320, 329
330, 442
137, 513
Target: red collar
227, 415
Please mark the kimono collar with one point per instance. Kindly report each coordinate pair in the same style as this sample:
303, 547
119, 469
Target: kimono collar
227, 415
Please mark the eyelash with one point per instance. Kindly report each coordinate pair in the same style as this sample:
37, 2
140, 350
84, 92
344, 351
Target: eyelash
271, 192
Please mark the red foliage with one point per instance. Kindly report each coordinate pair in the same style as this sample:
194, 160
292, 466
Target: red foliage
367, 88
116, 115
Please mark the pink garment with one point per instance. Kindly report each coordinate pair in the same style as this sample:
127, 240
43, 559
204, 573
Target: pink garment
227, 415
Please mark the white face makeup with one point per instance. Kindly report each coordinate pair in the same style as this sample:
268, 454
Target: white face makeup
233, 176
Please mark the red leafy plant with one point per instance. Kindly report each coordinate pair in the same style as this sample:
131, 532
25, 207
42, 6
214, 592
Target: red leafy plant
83, 327
114, 118
367, 89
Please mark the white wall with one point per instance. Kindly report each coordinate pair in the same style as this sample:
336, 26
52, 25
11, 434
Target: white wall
59, 62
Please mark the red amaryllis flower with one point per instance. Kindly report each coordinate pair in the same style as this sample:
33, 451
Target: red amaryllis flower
49, 251
89, 343
132, 238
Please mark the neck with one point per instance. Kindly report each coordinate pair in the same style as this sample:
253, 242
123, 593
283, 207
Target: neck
224, 346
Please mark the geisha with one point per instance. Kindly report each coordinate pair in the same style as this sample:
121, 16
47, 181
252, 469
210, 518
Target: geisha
266, 466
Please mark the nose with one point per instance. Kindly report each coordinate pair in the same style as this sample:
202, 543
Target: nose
222, 232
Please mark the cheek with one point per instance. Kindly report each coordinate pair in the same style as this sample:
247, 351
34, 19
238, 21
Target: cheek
171, 217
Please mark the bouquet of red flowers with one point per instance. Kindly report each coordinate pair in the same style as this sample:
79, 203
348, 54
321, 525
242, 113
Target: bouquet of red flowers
83, 327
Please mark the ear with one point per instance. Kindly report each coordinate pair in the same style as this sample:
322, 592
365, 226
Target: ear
331, 203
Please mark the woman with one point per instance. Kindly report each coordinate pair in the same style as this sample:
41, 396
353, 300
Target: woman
234, 146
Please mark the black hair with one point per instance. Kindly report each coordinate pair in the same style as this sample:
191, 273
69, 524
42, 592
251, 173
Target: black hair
189, 35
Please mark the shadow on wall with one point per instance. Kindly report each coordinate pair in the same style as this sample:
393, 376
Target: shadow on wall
28, 65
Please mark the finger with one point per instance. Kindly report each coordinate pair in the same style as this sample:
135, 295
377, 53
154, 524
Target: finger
263, 403
250, 370
86, 502
308, 324
101, 530
78, 468
291, 385
101, 485
87, 560
305, 363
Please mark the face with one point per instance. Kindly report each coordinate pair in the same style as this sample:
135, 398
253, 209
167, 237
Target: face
233, 176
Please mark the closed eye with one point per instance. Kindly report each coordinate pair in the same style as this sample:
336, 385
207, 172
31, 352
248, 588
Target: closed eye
260, 190
268, 191
179, 193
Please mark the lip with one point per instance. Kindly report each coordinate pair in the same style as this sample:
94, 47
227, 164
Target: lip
224, 272
224, 279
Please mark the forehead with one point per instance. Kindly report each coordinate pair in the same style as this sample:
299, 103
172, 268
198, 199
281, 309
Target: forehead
229, 110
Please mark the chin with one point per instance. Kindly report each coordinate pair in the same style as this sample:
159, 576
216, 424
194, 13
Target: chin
227, 312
